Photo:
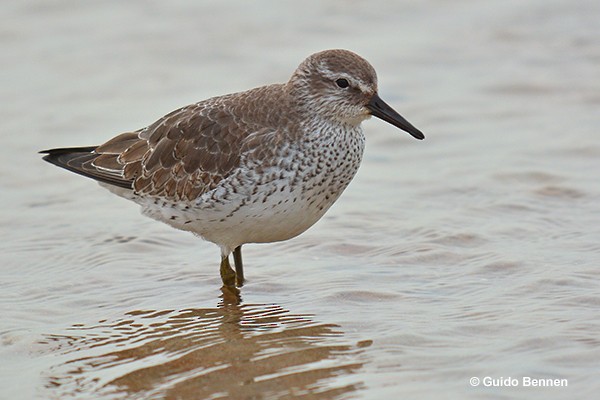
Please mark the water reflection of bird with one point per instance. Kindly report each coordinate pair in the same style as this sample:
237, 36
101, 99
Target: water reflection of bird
233, 351
258, 166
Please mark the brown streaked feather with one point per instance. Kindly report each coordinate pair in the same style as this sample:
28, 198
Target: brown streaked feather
159, 179
107, 162
190, 161
132, 171
170, 189
180, 188
134, 153
141, 183
163, 150
119, 143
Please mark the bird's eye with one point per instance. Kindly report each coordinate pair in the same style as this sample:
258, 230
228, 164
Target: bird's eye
343, 83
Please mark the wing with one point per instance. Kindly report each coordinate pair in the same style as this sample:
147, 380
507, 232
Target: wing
179, 157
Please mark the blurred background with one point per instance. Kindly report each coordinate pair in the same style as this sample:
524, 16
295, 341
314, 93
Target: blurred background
472, 253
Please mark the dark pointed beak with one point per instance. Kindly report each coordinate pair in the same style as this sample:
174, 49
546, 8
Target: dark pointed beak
380, 109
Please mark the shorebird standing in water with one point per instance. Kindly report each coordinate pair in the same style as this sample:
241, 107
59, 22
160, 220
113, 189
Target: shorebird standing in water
251, 167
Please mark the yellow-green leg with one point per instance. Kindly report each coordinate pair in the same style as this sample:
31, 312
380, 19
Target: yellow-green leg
227, 273
239, 267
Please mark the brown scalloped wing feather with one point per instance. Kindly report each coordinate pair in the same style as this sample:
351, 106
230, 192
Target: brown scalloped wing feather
182, 155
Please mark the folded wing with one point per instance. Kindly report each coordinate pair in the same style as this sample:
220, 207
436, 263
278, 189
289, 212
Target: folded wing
179, 157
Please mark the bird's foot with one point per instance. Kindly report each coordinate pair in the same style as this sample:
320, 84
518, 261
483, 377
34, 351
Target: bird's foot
239, 280
231, 296
228, 277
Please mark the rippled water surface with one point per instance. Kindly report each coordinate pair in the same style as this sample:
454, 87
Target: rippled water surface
474, 253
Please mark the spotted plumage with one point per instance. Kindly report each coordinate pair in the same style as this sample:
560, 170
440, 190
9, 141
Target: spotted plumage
251, 167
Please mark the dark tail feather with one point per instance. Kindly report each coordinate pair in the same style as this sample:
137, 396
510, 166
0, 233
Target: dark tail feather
79, 160
62, 157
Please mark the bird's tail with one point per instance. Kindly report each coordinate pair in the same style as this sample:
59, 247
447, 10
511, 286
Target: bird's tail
80, 160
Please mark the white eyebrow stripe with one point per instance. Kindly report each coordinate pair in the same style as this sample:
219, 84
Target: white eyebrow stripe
353, 82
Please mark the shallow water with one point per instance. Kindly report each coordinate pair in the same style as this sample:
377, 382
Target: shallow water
474, 253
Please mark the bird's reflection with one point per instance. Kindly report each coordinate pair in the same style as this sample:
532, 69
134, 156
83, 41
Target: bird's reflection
231, 351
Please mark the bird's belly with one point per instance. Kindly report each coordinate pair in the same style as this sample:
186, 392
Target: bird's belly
282, 216
271, 216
